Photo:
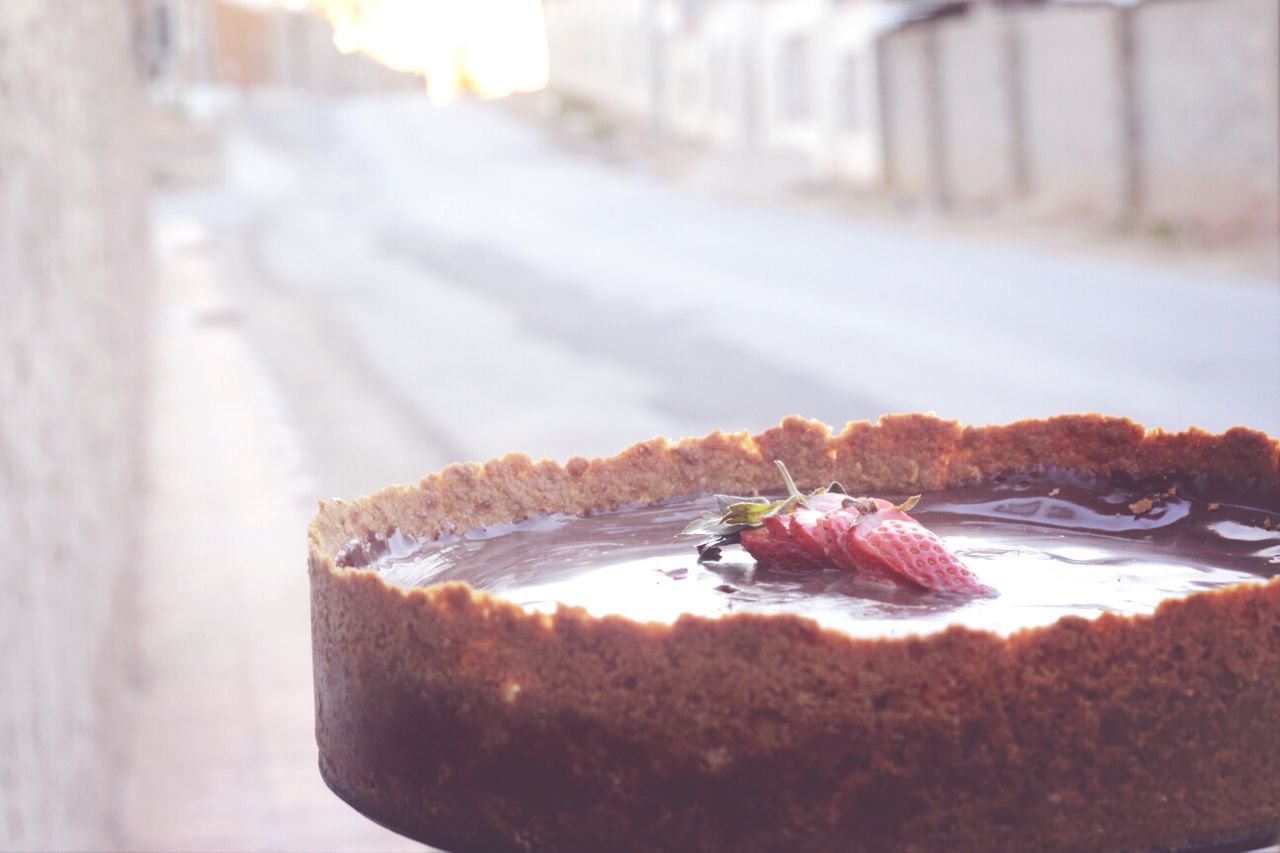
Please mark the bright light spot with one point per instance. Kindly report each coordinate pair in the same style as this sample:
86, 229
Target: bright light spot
490, 47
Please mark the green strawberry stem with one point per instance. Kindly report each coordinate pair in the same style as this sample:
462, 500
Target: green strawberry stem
791, 484
738, 514
909, 504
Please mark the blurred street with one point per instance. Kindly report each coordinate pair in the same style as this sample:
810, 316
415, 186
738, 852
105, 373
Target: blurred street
425, 285
223, 753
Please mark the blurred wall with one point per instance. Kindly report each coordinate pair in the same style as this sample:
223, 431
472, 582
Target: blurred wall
734, 79
1163, 112
796, 76
1206, 80
856, 111
196, 47
911, 117
975, 67
301, 56
1156, 111
72, 336
795, 62
1073, 109
242, 42
613, 51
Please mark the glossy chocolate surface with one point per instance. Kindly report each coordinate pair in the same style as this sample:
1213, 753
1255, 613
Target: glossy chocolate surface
1052, 544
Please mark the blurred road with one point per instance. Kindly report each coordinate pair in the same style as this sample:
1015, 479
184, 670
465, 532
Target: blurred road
434, 284
222, 756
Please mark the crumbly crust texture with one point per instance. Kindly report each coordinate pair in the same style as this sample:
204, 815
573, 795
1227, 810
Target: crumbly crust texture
464, 721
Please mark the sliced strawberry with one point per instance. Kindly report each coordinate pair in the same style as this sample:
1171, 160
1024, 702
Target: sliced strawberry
804, 530
870, 566
778, 525
906, 548
870, 536
793, 529
831, 527
778, 552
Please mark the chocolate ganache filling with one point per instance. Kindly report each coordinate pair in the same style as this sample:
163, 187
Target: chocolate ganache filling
1053, 543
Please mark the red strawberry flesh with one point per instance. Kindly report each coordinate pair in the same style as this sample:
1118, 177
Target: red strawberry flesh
827, 528
804, 529
915, 553
778, 553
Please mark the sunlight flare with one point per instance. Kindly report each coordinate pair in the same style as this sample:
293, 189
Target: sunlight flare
489, 47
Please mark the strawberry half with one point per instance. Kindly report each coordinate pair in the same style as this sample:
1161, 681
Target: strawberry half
870, 536
917, 554
777, 552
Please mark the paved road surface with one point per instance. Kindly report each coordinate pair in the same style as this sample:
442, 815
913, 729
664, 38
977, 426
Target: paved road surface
435, 284
222, 756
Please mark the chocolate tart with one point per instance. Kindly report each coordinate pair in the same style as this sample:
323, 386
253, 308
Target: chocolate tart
462, 719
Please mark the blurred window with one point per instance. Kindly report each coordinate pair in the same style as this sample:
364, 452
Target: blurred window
850, 94
796, 83
154, 44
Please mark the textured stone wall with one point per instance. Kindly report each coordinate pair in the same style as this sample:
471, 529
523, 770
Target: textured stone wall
908, 85
1206, 80
72, 331
1164, 111
241, 45
1073, 108
976, 102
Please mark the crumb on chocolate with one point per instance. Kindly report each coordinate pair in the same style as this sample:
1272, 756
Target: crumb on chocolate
1054, 492
1140, 508
1214, 506
1266, 523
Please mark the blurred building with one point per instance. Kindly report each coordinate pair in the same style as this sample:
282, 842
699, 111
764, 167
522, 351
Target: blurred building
800, 76
74, 300
75, 312
1163, 111
216, 48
